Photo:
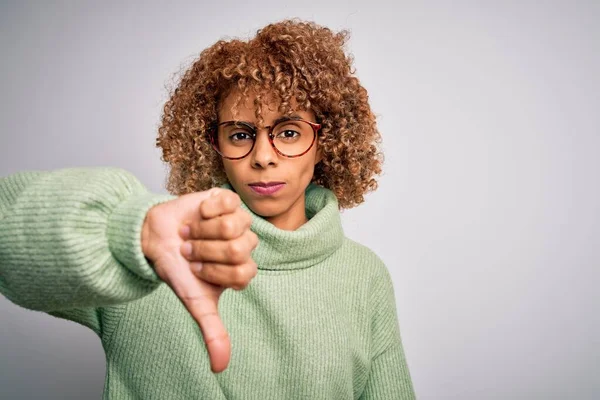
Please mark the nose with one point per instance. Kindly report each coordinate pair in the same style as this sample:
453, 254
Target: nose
263, 154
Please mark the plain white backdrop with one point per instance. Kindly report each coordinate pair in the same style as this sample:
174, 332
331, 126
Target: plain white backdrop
488, 212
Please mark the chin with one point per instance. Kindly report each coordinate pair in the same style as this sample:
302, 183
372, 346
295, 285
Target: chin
264, 210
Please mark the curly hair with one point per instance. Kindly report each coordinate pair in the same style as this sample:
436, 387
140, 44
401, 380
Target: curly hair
288, 59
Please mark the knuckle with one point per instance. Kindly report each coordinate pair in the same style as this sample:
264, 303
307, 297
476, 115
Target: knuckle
247, 218
203, 208
239, 278
213, 191
235, 251
228, 228
234, 196
226, 201
250, 272
191, 300
252, 240
229, 201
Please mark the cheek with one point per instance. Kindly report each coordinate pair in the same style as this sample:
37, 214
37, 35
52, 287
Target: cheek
232, 170
307, 169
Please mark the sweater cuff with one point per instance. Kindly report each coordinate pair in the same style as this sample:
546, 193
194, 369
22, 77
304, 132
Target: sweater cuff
124, 232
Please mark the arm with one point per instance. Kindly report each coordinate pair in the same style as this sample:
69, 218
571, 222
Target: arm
389, 376
70, 241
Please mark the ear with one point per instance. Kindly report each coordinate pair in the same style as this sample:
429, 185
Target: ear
319, 155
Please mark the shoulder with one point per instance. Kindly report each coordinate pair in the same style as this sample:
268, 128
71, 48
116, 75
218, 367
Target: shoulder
365, 263
353, 248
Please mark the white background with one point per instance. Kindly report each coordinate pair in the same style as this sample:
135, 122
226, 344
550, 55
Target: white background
487, 215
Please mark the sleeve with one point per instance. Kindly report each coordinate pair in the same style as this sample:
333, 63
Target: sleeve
389, 376
70, 242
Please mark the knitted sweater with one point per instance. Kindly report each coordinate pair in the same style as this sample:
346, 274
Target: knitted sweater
318, 321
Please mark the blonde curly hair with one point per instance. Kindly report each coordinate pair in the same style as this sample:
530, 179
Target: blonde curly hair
288, 59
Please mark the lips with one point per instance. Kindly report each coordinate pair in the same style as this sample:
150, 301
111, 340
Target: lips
266, 188
265, 184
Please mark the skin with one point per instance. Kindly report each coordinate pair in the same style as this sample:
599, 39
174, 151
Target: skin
286, 208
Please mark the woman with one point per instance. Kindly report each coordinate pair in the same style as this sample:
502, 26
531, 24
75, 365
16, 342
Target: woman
281, 124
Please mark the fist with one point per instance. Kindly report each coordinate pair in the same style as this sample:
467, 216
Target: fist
216, 229
219, 243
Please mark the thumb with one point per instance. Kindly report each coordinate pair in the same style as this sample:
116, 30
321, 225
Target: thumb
202, 304
201, 299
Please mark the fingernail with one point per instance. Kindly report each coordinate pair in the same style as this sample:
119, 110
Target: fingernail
196, 267
185, 231
186, 249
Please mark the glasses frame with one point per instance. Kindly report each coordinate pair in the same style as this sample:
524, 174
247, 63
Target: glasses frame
316, 127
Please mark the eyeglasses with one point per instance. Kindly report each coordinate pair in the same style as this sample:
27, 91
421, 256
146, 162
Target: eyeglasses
289, 136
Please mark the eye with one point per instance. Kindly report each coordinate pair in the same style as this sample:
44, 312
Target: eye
288, 134
240, 136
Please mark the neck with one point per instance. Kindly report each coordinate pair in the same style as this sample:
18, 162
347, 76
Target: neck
293, 218
307, 245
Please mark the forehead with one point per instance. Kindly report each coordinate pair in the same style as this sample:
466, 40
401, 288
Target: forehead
246, 109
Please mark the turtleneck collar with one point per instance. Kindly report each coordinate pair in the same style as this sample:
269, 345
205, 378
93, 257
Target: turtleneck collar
308, 245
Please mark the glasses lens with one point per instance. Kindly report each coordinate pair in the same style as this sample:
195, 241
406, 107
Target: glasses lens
291, 138
234, 139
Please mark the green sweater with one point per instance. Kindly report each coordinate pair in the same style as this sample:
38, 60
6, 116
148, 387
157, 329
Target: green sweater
319, 320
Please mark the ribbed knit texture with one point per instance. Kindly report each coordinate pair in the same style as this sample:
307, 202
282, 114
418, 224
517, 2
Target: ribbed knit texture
319, 320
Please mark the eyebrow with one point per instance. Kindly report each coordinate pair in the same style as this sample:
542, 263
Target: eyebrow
277, 121
285, 118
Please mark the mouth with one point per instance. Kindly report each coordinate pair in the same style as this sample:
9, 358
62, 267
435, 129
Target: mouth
266, 184
266, 188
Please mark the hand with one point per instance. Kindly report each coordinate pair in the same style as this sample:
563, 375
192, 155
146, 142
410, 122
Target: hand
162, 241
220, 242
